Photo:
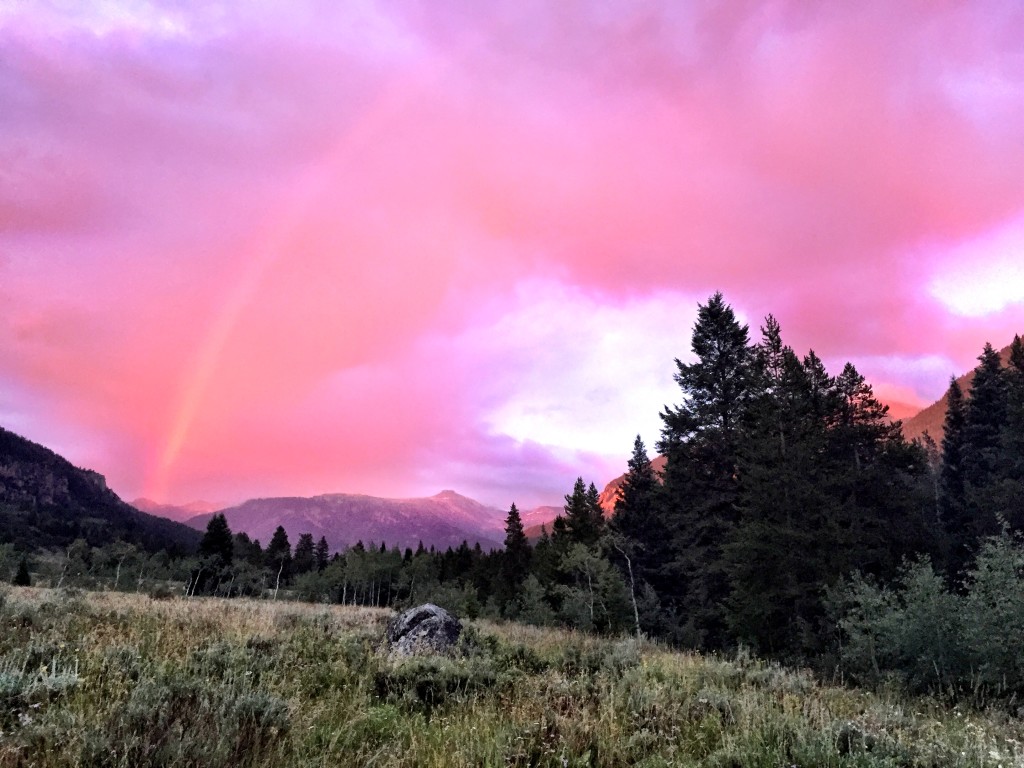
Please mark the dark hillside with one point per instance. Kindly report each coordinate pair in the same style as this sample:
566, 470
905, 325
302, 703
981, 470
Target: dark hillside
47, 502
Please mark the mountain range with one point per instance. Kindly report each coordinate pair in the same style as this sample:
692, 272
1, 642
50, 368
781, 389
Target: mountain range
444, 520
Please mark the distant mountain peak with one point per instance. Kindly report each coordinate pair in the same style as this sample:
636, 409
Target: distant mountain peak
449, 494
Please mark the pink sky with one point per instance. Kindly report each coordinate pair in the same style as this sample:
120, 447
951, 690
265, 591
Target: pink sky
393, 248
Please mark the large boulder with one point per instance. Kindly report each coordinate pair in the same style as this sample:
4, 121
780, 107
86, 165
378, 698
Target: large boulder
426, 628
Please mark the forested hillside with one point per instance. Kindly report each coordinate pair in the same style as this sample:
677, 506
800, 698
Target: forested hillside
46, 502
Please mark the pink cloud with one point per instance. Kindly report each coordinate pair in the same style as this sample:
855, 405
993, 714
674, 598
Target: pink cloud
306, 248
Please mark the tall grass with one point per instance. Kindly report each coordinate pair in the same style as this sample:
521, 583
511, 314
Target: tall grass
105, 679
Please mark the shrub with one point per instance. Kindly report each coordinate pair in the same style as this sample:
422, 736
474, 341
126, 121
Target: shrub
26, 686
22, 578
161, 592
175, 720
934, 639
425, 682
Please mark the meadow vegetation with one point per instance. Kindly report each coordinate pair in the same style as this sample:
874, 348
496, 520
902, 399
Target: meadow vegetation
117, 679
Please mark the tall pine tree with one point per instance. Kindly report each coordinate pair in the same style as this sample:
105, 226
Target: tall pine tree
514, 564
637, 525
217, 542
583, 520
984, 419
700, 440
1010, 496
775, 555
304, 559
959, 536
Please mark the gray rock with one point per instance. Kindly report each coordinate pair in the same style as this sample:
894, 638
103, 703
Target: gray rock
424, 629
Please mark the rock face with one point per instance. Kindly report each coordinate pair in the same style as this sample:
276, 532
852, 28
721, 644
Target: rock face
425, 629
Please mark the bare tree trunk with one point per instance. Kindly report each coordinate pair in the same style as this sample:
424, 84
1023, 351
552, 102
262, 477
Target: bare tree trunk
632, 590
117, 574
277, 585
64, 570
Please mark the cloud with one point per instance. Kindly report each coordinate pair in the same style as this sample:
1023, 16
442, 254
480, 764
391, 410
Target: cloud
984, 274
324, 246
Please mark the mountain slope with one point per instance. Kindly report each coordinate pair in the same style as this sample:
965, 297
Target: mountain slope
611, 492
45, 501
441, 521
931, 419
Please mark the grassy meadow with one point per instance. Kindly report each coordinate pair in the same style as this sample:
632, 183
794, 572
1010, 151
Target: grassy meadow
114, 679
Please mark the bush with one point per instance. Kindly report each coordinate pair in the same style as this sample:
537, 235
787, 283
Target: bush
425, 682
161, 592
22, 578
181, 721
27, 686
936, 640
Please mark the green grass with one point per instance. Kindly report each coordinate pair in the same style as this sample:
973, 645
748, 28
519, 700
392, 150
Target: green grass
105, 679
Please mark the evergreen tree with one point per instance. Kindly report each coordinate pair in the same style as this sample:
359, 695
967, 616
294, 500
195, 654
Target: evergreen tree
820, 388
322, 554
985, 414
1010, 496
583, 520
983, 423
514, 564
775, 556
959, 535
304, 559
638, 535
826, 485
517, 548
544, 558
934, 457
217, 542
248, 550
22, 578
278, 556
863, 427
879, 481
596, 510
700, 441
